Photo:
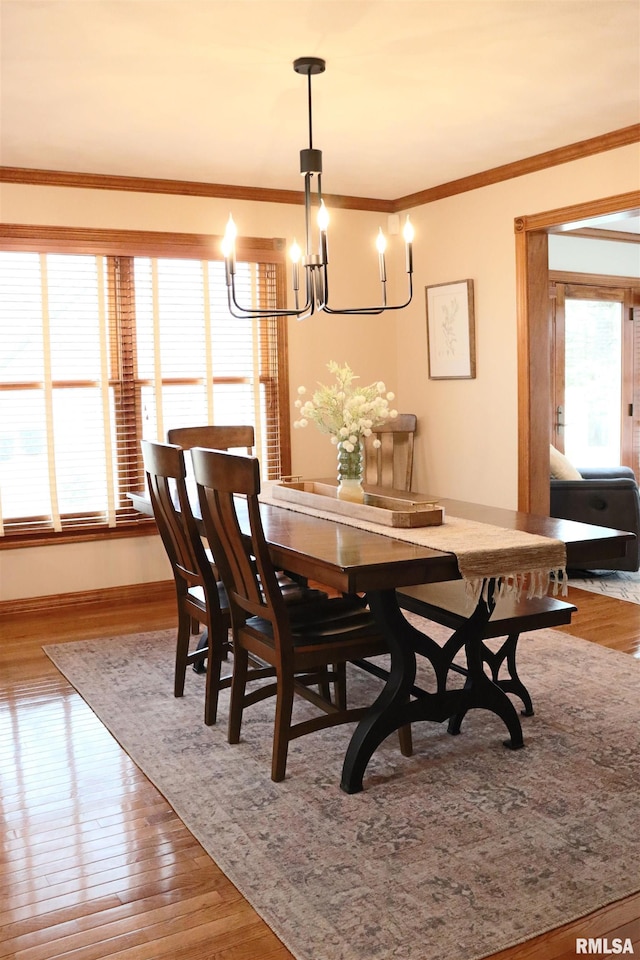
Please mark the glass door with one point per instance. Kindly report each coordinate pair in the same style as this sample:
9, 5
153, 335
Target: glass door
593, 416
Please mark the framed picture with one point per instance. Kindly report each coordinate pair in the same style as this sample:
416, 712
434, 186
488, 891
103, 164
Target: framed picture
451, 332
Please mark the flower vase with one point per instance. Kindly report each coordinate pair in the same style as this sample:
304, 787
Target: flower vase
350, 471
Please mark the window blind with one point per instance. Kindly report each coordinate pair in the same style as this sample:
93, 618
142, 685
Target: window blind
97, 352
195, 363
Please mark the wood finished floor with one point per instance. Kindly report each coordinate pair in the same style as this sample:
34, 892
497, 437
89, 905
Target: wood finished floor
95, 864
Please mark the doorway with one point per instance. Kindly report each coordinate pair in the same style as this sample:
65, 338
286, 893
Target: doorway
534, 341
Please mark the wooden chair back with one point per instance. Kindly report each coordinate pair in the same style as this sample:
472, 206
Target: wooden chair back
198, 592
391, 464
243, 560
221, 437
166, 476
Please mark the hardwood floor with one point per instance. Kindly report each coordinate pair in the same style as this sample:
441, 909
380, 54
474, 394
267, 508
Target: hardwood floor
93, 861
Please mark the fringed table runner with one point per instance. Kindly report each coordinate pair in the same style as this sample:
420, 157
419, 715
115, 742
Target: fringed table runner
518, 562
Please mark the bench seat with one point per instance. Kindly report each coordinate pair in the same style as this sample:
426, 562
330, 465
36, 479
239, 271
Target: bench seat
448, 605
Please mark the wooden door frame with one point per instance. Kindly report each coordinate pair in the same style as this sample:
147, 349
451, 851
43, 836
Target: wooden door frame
534, 339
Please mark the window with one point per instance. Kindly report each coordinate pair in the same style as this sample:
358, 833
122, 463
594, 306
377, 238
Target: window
101, 349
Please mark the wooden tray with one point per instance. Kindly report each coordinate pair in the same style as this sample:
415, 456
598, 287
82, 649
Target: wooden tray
389, 511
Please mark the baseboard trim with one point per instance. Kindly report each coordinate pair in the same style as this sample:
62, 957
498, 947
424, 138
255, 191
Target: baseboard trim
129, 593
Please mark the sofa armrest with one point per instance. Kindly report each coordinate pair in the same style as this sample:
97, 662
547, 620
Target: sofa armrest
606, 473
605, 503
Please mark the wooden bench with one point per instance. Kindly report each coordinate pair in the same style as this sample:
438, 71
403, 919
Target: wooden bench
448, 604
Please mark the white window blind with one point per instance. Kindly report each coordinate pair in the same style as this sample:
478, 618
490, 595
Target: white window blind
97, 352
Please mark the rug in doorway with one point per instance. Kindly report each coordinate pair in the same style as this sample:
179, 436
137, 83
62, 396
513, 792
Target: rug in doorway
618, 584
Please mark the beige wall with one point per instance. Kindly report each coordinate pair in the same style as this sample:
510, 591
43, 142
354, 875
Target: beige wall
468, 428
467, 444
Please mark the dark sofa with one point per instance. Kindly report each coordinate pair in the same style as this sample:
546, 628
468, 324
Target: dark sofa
606, 497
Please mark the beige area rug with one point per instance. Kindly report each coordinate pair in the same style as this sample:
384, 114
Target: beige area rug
620, 584
460, 851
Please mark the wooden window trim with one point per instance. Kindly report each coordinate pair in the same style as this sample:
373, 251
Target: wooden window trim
139, 243
144, 527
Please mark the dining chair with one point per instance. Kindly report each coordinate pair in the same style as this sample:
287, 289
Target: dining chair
224, 437
200, 595
391, 464
214, 436
201, 598
304, 643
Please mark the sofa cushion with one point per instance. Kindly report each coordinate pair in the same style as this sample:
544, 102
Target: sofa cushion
561, 468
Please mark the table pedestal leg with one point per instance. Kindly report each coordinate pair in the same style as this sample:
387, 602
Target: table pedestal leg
388, 712
393, 709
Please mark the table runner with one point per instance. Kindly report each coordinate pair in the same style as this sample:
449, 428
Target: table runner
516, 560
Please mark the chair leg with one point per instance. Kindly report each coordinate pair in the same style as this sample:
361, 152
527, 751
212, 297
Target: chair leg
324, 687
238, 685
212, 684
182, 651
282, 725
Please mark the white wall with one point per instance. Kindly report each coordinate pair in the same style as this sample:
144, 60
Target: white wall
467, 446
586, 255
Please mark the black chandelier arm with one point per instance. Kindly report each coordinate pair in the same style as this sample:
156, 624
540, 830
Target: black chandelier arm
316, 300
271, 314
237, 310
371, 311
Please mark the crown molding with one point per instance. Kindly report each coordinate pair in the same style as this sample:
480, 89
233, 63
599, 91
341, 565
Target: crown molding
508, 171
188, 188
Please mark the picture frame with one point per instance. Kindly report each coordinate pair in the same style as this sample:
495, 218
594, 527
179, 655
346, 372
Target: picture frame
451, 333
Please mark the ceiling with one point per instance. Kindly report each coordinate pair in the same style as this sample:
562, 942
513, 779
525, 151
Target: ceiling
416, 93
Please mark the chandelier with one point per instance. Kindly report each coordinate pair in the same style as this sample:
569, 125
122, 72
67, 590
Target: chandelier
314, 275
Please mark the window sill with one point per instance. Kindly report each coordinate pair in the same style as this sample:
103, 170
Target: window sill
143, 527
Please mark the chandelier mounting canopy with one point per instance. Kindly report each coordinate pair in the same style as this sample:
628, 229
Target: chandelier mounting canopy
309, 65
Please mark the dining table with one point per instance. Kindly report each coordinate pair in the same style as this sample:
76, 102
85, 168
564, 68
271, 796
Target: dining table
353, 560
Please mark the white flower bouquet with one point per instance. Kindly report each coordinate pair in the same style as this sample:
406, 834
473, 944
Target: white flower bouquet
347, 412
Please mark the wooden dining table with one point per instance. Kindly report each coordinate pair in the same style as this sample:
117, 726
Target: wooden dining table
354, 560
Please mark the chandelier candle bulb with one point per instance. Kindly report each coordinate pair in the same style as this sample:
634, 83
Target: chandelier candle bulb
229, 248
381, 244
323, 223
295, 254
408, 233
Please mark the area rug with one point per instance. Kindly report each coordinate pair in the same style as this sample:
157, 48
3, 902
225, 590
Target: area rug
620, 584
462, 850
